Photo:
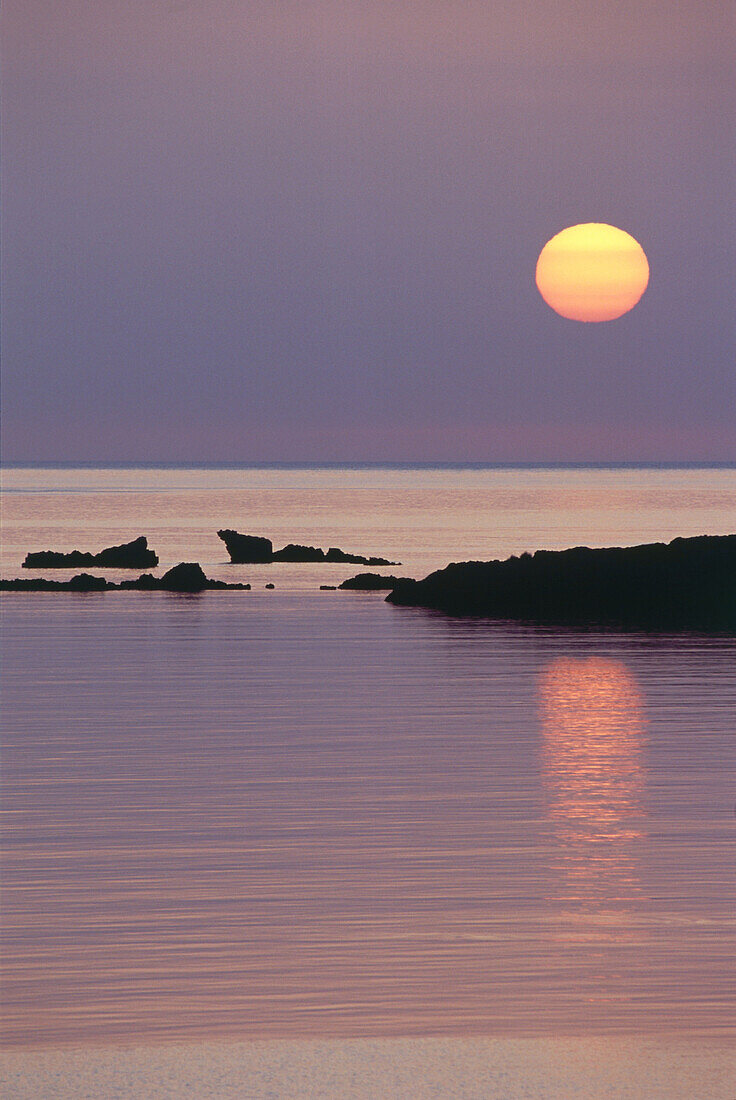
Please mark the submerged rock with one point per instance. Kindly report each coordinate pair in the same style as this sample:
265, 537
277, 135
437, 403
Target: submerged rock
689, 583
372, 582
129, 555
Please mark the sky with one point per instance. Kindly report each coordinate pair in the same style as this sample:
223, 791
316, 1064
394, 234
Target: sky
306, 230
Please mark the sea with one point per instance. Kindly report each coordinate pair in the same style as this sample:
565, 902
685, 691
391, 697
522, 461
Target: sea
296, 812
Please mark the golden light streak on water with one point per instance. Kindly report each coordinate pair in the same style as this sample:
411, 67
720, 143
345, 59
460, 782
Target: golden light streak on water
592, 721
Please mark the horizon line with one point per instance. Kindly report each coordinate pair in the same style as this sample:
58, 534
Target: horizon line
371, 464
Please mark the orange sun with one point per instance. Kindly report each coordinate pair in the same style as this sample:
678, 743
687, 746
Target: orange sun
592, 272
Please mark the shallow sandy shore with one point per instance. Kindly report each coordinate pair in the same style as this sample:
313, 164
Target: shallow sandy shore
393, 1069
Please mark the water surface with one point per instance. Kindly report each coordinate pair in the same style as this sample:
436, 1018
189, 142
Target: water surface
313, 814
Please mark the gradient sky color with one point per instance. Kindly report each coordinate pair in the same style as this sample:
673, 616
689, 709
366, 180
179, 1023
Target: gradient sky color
243, 231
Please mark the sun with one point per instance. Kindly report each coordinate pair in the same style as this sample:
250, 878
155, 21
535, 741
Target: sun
592, 272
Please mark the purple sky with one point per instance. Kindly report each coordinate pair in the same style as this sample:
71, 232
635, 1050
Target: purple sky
294, 230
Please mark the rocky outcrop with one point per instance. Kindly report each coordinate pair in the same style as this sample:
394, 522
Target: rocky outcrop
188, 576
372, 582
689, 583
294, 552
333, 554
246, 549
252, 549
129, 555
85, 582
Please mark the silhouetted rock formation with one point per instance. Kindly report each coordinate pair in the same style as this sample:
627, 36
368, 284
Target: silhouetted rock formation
85, 582
372, 582
686, 584
294, 552
246, 549
251, 549
333, 554
129, 555
188, 576
82, 582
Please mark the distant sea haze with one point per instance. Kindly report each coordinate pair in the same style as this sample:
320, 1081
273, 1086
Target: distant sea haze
293, 812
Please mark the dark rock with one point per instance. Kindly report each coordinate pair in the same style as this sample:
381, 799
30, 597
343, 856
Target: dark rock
269, 586
52, 559
224, 584
252, 549
334, 554
27, 584
371, 582
147, 582
294, 552
85, 582
129, 555
187, 576
328, 587
246, 549
689, 583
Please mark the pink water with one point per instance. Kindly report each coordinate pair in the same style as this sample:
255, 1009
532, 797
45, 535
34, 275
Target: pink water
308, 813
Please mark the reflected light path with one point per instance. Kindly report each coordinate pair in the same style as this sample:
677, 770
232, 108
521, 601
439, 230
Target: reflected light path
592, 719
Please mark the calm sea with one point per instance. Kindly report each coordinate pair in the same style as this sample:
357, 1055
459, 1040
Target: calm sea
304, 812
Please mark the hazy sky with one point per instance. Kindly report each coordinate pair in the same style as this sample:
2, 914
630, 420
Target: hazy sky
308, 230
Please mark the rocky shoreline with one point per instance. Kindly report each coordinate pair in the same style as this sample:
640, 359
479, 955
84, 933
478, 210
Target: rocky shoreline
689, 583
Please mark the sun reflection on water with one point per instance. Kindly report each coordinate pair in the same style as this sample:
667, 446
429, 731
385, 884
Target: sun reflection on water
592, 720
